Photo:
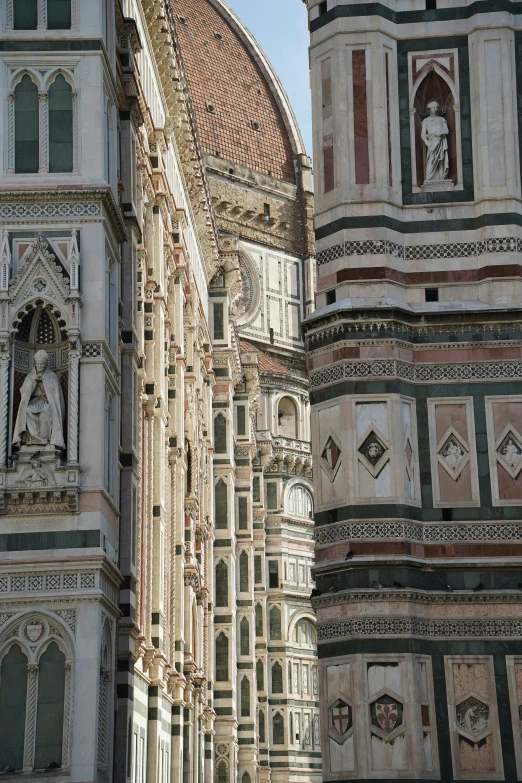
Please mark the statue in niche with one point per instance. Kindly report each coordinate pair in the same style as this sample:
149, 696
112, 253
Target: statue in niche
434, 134
40, 416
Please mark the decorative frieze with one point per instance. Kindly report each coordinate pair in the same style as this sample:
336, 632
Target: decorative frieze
384, 247
451, 532
419, 628
34, 582
417, 373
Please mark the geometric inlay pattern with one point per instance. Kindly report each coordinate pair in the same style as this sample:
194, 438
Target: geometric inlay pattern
422, 628
331, 453
417, 531
417, 373
380, 247
331, 456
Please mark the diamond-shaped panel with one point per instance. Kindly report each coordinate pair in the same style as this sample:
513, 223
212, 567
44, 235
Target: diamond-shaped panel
331, 453
453, 454
373, 449
509, 453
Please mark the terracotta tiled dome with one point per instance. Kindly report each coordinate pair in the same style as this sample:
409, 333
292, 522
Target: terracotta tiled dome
237, 105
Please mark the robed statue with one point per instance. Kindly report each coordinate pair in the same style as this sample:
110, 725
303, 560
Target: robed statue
40, 416
434, 134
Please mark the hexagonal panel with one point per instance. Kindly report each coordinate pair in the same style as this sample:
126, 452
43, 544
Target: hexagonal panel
473, 717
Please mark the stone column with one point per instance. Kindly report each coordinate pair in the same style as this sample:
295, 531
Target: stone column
5, 359
30, 716
42, 15
75, 353
75, 128
67, 715
10, 133
43, 98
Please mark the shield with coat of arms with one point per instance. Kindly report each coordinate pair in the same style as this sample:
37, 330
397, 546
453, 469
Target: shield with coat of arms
387, 715
33, 630
341, 717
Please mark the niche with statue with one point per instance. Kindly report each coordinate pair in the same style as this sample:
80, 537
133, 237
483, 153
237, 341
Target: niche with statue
39, 368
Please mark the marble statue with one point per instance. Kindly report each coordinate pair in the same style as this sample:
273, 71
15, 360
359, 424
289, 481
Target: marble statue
40, 416
434, 134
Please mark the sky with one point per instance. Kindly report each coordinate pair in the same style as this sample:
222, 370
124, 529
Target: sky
281, 29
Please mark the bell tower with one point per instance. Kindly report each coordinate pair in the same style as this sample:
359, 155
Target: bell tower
414, 359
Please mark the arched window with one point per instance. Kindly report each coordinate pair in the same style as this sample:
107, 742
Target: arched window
277, 678
259, 620
245, 697
291, 727
220, 434
275, 623
260, 675
279, 729
27, 127
221, 505
244, 636
221, 772
49, 710
300, 503
60, 126
245, 778
262, 736
221, 584
243, 572
287, 418
13, 695
58, 14
222, 658
25, 14
305, 634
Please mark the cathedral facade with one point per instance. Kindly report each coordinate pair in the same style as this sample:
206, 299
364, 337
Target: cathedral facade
414, 366
156, 502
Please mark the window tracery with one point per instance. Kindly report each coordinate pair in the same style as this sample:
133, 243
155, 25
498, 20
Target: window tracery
42, 122
36, 662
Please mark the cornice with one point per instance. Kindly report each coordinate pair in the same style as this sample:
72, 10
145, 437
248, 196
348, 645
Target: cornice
68, 196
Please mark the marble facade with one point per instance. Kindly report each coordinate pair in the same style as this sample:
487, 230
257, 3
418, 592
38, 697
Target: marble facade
156, 492
414, 364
